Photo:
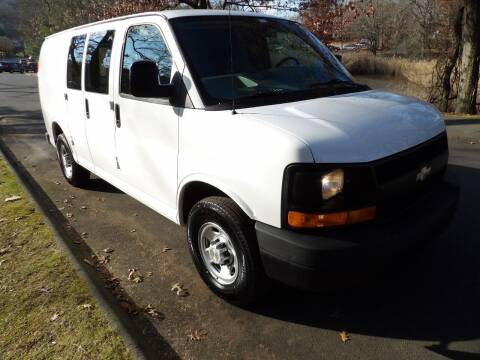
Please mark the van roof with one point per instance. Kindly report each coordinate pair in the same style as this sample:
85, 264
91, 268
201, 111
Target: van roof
170, 14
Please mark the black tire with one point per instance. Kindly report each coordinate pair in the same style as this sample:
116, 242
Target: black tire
250, 282
78, 176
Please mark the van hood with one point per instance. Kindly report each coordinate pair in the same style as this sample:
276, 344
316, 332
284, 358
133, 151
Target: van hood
356, 127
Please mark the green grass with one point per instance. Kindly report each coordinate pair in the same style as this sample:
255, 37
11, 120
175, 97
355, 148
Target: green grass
38, 281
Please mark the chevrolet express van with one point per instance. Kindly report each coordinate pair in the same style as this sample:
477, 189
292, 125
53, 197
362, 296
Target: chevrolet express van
249, 131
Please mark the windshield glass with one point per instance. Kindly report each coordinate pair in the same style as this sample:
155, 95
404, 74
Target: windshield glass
273, 60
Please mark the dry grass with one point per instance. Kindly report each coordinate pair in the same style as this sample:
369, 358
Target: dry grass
43, 311
418, 72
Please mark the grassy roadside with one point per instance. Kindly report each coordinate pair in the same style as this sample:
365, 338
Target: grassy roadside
46, 311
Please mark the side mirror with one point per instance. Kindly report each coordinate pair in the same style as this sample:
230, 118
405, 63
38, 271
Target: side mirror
144, 81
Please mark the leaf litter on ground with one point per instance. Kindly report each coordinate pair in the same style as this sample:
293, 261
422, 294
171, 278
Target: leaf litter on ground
179, 290
150, 310
344, 336
197, 335
13, 198
134, 275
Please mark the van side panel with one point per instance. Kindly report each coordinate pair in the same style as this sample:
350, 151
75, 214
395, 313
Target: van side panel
51, 83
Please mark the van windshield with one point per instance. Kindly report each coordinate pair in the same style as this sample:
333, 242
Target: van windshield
274, 61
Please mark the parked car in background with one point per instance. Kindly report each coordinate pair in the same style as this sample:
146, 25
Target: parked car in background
13, 66
349, 47
31, 66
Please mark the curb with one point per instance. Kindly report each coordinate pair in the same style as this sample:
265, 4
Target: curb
119, 320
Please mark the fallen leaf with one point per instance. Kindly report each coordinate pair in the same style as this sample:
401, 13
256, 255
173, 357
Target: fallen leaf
102, 259
21, 217
57, 183
149, 273
88, 262
3, 220
69, 215
165, 249
197, 335
83, 207
13, 198
130, 274
134, 276
133, 230
108, 250
179, 290
87, 306
54, 317
84, 234
150, 310
344, 336
2, 261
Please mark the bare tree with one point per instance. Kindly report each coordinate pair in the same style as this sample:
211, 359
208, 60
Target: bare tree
424, 13
469, 69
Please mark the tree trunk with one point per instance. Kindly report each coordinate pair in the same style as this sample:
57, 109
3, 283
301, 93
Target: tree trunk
450, 62
467, 94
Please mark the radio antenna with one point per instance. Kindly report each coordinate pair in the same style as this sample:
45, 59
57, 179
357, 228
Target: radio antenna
231, 58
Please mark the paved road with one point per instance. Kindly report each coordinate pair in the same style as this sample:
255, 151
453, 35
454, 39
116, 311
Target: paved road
413, 312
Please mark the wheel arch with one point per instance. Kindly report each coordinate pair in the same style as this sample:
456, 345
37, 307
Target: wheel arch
193, 190
56, 130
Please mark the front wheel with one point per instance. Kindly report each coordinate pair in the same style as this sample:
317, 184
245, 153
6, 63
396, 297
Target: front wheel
73, 173
222, 243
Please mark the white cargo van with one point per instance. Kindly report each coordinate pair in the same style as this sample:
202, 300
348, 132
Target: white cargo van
248, 130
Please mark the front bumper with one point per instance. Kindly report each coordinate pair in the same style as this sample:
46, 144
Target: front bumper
300, 259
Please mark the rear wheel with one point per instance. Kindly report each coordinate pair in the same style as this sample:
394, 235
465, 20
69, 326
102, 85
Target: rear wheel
223, 246
73, 173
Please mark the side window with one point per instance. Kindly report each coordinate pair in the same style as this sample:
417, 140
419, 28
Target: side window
74, 62
145, 42
97, 63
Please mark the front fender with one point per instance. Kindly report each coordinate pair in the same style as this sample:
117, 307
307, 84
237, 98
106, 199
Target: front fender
219, 185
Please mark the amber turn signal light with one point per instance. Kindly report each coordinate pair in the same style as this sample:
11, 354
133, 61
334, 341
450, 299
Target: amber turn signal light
298, 219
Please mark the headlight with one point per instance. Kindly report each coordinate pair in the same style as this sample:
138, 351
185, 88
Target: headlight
317, 195
332, 184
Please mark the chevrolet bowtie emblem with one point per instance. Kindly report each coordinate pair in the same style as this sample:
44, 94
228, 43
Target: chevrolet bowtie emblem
423, 173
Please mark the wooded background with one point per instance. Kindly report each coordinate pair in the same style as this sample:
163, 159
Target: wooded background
447, 31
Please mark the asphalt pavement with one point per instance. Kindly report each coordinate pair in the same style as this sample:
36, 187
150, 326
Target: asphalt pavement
425, 307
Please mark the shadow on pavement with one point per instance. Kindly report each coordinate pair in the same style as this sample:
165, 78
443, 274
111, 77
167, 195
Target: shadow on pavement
432, 295
450, 122
35, 116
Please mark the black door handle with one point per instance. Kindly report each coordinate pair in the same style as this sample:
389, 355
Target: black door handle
87, 109
118, 122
